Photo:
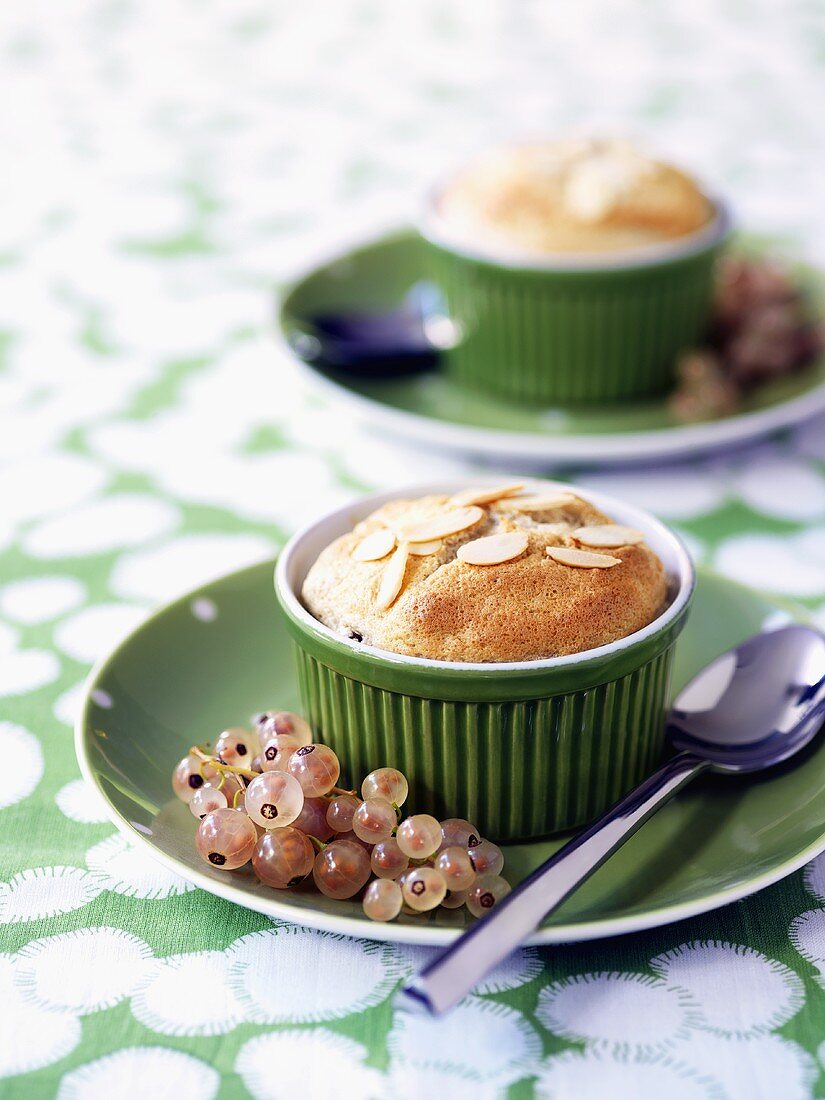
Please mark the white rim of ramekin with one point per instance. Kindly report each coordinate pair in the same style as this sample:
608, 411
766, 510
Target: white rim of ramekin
433, 228
680, 568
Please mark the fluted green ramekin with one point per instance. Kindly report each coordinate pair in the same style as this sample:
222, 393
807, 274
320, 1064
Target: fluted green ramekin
521, 749
567, 330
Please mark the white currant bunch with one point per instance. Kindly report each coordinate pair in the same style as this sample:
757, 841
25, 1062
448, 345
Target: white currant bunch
269, 796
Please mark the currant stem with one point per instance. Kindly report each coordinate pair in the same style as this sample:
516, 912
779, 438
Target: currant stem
202, 773
206, 757
247, 773
218, 765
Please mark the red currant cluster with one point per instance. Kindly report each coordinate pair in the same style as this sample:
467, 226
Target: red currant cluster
762, 329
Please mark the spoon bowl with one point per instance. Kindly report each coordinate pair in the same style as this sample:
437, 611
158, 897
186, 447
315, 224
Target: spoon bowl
756, 705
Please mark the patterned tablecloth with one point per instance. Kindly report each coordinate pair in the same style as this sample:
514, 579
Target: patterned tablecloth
167, 163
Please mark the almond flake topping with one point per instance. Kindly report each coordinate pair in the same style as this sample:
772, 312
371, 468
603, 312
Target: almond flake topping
493, 549
374, 546
441, 525
486, 496
424, 549
608, 535
581, 559
540, 503
393, 580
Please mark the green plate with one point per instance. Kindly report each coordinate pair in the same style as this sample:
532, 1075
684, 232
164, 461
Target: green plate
221, 654
429, 408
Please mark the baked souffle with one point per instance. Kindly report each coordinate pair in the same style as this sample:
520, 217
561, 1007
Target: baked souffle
574, 196
489, 574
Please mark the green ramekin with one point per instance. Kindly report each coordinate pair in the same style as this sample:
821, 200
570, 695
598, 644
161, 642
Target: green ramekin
567, 330
521, 749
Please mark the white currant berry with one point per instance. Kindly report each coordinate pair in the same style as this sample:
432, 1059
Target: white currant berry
382, 900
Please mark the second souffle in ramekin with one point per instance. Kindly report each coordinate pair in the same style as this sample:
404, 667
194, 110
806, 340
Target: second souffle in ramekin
572, 272
521, 747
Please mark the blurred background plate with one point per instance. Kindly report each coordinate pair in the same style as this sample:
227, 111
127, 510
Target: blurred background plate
423, 406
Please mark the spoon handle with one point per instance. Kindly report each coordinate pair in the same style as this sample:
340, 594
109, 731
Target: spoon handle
458, 969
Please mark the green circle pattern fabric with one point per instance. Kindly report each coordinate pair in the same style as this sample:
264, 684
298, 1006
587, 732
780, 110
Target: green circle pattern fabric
167, 167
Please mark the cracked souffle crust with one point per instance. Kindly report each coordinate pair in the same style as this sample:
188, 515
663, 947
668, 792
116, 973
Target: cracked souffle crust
527, 608
574, 196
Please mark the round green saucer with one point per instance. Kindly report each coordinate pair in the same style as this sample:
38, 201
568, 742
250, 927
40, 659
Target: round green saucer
216, 656
428, 408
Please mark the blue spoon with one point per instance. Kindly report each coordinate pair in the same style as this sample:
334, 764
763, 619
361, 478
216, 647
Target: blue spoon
396, 342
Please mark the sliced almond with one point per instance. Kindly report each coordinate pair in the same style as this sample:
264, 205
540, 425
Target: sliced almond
441, 525
493, 549
543, 503
486, 496
374, 546
608, 535
581, 559
424, 549
393, 580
